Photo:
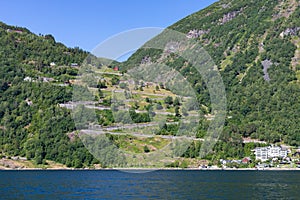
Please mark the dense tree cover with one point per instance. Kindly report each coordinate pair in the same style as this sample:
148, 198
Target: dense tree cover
167, 129
33, 125
139, 117
257, 108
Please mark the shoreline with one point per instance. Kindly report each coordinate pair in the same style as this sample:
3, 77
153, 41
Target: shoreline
150, 169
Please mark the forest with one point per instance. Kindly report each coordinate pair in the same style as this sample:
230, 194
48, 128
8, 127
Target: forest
32, 66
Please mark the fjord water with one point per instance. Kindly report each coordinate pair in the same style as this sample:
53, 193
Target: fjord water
165, 184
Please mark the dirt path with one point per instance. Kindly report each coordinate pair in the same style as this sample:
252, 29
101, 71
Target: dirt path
136, 134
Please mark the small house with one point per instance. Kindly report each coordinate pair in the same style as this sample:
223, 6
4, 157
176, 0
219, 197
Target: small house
246, 160
74, 64
116, 68
27, 78
46, 79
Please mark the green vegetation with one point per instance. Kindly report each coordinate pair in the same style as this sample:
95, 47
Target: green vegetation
37, 75
134, 144
258, 108
32, 124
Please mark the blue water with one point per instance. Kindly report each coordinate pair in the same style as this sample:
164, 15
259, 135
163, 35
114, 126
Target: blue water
111, 184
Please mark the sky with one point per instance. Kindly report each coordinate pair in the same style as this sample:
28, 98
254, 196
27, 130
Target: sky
87, 23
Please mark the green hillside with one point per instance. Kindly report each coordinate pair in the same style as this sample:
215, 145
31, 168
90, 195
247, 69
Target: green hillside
255, 45
35, 71
243, 38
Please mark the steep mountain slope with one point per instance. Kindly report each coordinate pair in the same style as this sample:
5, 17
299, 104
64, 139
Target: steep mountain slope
34, 74
255, 45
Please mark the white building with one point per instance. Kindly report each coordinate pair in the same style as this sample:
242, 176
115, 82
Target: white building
27, 78
265, 153
261, 153
273, 152
283, 153
74, 64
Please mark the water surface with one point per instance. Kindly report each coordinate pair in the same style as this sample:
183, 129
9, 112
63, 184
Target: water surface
165, 184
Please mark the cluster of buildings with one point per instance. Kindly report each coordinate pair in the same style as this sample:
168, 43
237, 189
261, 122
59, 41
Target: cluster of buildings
53, 64
41, 79
266, 153
245, 160
263, 154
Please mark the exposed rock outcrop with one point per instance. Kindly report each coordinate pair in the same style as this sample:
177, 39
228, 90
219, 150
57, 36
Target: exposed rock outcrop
290, 31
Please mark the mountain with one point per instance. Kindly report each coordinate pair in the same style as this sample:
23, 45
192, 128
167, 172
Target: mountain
35, 71
253, 44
